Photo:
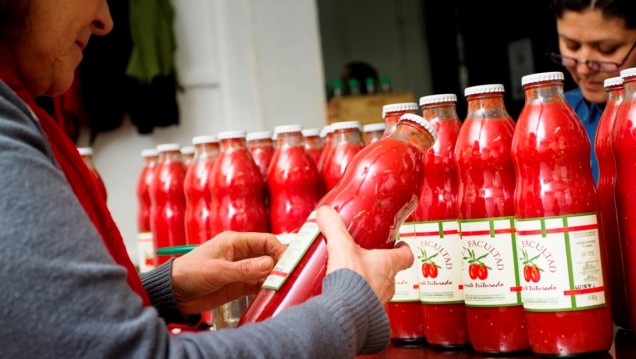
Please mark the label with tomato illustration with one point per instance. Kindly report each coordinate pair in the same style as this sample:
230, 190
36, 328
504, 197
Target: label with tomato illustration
406, 281
294, 253
490, 266
145, 252
438, 258
561, 263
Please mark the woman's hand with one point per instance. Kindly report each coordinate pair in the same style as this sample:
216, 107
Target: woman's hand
378, 266
228, 266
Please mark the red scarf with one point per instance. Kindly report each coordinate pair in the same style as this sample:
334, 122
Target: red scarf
81, 181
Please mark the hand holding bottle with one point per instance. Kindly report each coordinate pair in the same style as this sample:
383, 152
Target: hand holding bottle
378, 266
226, 267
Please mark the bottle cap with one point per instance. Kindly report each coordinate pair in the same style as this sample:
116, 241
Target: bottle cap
420, 121
325, 131
258, 135
225, 135
85, 151
613, 81
344, 125
197, 140
404, 106
628, 72
288, 128
380, 126
542, 76
475, 90
310, 132
447, 97
149, 152
187, 150
166, 147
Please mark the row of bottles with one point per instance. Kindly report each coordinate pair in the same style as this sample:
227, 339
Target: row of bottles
503, 218
509, 249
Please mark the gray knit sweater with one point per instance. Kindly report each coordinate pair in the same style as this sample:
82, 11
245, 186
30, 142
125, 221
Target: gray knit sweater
62, 296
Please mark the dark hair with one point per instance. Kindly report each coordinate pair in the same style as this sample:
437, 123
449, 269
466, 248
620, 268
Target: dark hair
620, 9
13, 19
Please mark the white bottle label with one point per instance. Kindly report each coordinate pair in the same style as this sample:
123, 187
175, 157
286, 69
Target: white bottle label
406, 281
145, 251
439, 262
295, 251
490, 269
561, 263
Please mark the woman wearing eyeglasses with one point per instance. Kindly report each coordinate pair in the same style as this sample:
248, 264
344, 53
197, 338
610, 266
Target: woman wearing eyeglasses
596, 41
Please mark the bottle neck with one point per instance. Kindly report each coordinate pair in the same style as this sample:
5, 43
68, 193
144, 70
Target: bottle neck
414, 133
486, 105
171, 156
615, 93
233, 144
313, 142
260, 142
439, 111
545, 91
207, 149
88, 160
150, 161
291, 139
347, 135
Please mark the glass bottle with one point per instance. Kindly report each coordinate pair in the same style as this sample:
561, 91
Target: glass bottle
372, 132
556, 220
327, 144
435, 231
197, 189
168, 200
187, 152
388, 172
346, 142
313, 143
145, 246
492, 288
87, 156
236, 188
391, 113
624, 148
294, 183
606, 185
261, 147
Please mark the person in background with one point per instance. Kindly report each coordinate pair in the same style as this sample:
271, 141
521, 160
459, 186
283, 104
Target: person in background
596, 41
69, 289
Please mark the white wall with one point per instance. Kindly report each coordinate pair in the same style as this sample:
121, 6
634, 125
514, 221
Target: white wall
245, 65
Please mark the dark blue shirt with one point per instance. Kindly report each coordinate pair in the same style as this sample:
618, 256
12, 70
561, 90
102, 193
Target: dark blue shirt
590, 114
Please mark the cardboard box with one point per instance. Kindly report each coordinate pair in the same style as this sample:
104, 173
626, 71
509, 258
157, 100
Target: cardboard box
364, 108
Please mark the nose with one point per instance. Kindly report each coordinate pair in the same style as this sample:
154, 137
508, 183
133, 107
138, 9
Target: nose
103, 22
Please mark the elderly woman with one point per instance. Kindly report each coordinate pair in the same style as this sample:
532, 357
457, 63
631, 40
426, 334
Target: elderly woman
68, 287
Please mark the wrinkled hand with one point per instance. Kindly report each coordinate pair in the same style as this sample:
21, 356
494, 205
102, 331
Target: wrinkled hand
228, 266
377, 266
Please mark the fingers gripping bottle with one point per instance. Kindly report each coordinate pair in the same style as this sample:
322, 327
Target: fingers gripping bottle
492, 288
558, 236
378, 190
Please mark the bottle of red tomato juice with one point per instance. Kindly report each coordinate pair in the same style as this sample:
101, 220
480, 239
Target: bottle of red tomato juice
558, 237
492, 288
379, 189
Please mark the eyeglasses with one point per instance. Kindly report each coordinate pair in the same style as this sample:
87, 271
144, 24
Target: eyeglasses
604, 66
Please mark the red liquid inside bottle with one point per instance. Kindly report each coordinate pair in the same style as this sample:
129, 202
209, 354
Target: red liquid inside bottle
345, 143
145, 246
313, 143
197, 189
168, 200
294, 182
236, 188
556, 204
492, 288
606, 184
434, 222
624, 147
379, 189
